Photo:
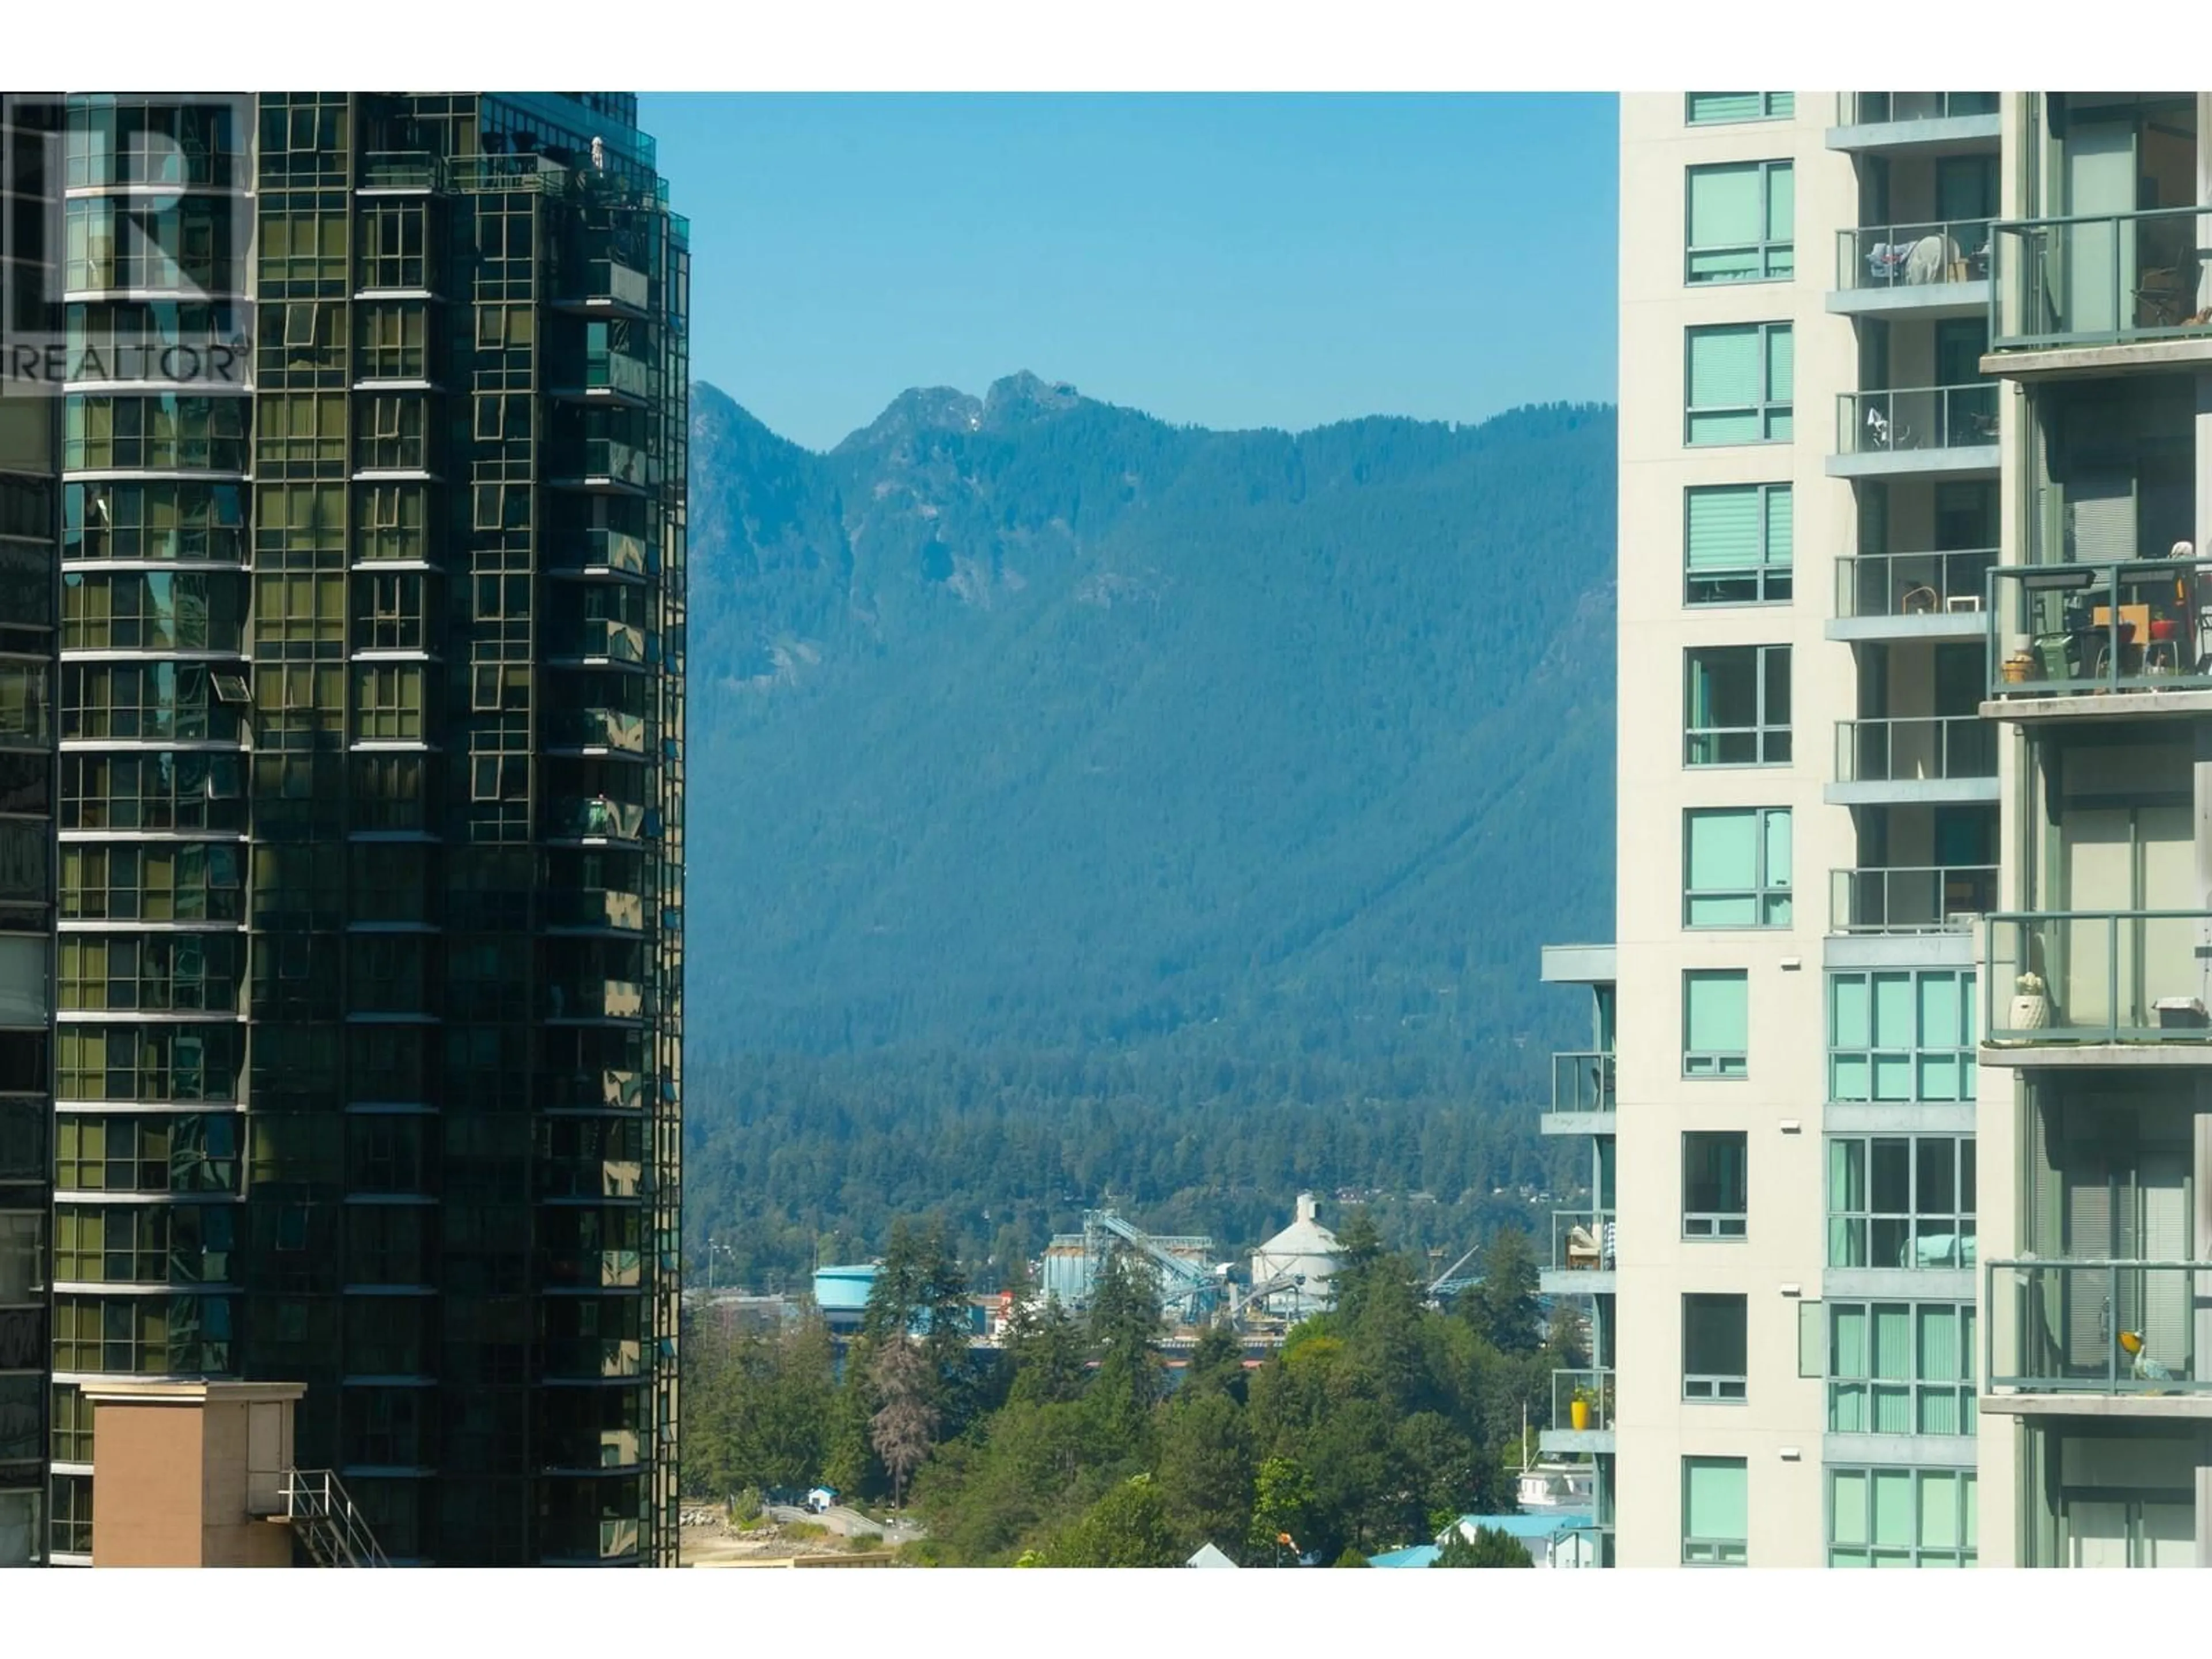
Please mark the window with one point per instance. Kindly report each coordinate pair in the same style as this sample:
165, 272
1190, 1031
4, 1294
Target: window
70, 1531
1715, 1184
1713, 1347
1712, 109
1901, 1517
1905, 1034
1716, 1022
1715, 1522
1738, 706
149, 1062
1901, 1201
1736, 867
159, 521
390, 522
1740, 217
1738, 379
72, 1425
1736, 543
1901, 1368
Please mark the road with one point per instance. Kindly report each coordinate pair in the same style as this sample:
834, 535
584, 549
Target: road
851, 1523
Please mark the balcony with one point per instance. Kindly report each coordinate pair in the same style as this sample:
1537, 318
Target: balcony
1911, 899
599, 640
597, 908
2069, 287
2143, 628
601, 463
1873, 123
1941, 268
1912, 596
1581, 1082
594, 999
2076, 979
596, 819
396, 170
594, 1178
594, 1270
1581, 1254
599, 553
608, 1088
2095, 1331
610, 371
1918, 759
1593, 1387
594, 1358
1920, 429
591, 729
606, 285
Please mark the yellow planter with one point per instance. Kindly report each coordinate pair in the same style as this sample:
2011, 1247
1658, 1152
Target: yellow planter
1579, 1413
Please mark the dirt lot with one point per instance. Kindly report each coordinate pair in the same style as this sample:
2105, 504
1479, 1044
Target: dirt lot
716, 1543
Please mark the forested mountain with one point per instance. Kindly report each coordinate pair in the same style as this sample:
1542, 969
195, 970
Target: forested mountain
1028, 726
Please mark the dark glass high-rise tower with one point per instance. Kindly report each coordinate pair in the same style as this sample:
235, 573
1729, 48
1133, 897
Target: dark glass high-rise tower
366, 792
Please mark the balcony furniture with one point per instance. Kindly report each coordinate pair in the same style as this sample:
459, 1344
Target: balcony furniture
1916, 602
1963, 602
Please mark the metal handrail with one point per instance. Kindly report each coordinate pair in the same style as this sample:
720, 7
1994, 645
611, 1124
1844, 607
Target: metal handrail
1883, 751
1595, 1383
317, 1499
1964, 242
1911, 584
2108, 1329
1926, 906
2045, 638
2002, 987
1872, 423
2035, 302
1849, 115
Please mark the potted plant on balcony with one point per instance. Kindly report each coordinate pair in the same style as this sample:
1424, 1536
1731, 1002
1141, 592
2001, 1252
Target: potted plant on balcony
2031, 1004
1578, 1409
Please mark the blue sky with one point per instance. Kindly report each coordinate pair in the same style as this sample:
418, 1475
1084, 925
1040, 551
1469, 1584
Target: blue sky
1226, 261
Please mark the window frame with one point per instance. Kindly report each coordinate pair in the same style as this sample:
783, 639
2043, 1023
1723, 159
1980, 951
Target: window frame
1921, 1060
1770, 110
1717, 1388
1772, 581
1772, 743
1776, 417
1721, 1226
1698, 1550
1716, 1061
1765, 894
1919, 1388
1846, 1249
1965, 1511
1764, 251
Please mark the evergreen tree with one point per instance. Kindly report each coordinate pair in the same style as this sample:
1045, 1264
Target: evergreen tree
1488, 1548
1502, 1308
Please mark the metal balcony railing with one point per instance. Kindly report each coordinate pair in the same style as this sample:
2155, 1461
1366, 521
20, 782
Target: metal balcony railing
594, 1090
2144, 625
1859, 109
1913, 256
1595, 1385
1915, 748
1917, 418
1581, 1082
2104, 1327
2100, 279
2098, 976
1911, 899
1582, 1239
1913, 584
399, 169
324, 1518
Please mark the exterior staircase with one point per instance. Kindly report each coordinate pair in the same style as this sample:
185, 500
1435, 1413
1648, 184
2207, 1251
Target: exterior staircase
326, 1523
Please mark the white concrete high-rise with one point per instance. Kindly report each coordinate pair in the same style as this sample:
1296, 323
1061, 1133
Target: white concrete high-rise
1898, 1101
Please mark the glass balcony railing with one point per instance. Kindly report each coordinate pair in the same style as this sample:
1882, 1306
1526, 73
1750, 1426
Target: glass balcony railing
594, 1177
1581, 1082
1917, 418
1593, 1387
1912, 584
2098, 976
597, 819
594, 907
594, 1357
597, 728
607, 458
1581, 1240
610, 282
600, 638
591, 1090
1910, 899
398, 169
2100, 279
593, 551
595, 1269
1916, 748
609, 371
2100, 1328
1862, 109
594, 999
1904, 257
2143, 626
